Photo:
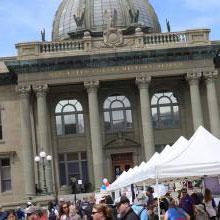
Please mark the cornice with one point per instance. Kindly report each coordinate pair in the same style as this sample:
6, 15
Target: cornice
112, 59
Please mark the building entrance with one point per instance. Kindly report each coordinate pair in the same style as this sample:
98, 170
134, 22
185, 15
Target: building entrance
120, 163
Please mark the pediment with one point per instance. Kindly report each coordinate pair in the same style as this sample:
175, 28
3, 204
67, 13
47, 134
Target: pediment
122, 142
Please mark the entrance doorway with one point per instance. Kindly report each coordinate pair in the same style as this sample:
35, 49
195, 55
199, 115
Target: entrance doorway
120, 163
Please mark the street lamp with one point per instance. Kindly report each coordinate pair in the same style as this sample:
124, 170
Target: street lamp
42, 158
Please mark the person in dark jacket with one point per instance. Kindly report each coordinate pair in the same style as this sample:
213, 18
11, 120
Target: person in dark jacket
3, 215
125, 211
186, 203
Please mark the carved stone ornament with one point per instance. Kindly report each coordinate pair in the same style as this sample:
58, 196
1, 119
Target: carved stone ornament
113, 38
40, 90
193, 77
210, 75
143, 81
23, 90
91, 86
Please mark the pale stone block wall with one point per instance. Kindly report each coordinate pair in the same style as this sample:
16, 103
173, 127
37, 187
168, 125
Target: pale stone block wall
11, 142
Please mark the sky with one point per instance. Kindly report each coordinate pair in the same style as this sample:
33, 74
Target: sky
23, 20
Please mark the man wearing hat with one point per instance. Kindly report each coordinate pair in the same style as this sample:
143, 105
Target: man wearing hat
125, 211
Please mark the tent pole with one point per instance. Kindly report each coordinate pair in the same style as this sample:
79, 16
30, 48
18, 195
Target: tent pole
158, 196
144, 187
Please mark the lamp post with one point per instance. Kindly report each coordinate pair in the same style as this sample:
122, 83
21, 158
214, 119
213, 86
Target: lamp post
42, 158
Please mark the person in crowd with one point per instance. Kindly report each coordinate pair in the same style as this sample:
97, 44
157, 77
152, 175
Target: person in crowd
218, 210
52, 211
199, 207
125, 211
186, 203
3, 214
31, 213
64, 211
196, 198
110, 204
42, 214
153, 210
168, 197
20, 213
73, 215
60, 203
149, 196
210, 204
11, 215
164, 204
175, 213
101, 212
139, 207
86, 208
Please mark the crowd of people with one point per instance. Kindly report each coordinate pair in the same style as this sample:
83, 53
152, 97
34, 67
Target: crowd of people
144, 207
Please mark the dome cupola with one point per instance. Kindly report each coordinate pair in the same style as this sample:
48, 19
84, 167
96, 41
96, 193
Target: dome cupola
77, 16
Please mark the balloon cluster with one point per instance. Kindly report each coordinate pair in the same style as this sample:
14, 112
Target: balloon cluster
106, 185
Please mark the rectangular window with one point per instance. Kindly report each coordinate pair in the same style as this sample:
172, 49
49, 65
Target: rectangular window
5, 174
73, 165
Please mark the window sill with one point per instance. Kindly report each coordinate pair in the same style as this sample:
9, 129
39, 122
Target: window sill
70, 135
2, 142
166, 128
7, 193
119, 132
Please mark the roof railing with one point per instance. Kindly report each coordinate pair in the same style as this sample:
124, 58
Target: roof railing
139, 40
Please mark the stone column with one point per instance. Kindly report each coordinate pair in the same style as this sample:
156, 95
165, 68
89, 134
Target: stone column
212, 102
193, 79
41, 93
143, 85
95, 131
26, 135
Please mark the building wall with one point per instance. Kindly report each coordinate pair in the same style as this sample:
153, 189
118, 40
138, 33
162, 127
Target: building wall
11, 145
9, 101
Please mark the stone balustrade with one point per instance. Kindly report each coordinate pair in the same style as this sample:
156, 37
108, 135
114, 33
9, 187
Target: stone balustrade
50, 47
88, 43
165, 38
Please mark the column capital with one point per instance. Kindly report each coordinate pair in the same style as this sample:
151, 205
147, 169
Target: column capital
193, 77
23, 90
41, 90
210, 76
92, 85
143, 81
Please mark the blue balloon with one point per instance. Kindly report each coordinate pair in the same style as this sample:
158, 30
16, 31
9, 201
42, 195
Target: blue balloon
103, 187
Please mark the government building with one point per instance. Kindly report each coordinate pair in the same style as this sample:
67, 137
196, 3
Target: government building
103, 95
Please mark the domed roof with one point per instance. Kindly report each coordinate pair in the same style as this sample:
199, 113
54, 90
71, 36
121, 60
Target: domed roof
75, 16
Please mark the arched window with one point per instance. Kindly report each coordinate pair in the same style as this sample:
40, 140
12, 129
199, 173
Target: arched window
165, 110
117, 113
69, 117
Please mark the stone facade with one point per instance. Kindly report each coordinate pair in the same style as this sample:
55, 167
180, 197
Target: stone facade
44, 73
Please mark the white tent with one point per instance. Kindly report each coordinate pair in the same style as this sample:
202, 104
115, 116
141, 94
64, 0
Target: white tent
197, 157
200, 157
145, 170
166, 155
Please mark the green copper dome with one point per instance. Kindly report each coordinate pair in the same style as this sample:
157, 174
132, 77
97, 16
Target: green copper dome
74, 16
